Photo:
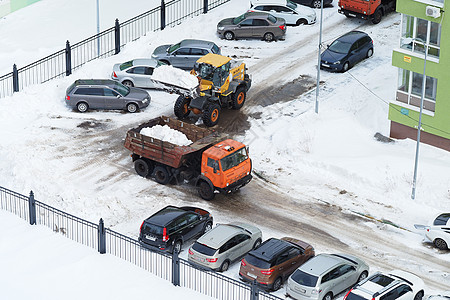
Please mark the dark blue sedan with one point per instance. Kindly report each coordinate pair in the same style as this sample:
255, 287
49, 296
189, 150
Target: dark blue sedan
346, 51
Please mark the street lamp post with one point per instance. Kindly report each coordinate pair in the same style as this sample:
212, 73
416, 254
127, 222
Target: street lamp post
424, 80
318, 59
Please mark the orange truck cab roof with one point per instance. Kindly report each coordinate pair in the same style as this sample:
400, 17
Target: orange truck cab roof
222, 149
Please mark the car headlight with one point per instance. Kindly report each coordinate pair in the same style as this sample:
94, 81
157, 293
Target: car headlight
337, 62
221, 28
153, 56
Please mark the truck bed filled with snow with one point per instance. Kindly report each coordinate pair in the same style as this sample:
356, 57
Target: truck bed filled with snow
175, 76
167, 134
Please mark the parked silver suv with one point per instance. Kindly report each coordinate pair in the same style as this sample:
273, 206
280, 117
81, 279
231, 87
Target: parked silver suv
184, 54
84, 94
224, 244
326, 275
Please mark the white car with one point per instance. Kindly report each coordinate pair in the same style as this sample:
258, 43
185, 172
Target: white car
439, 231
291, 12
443, 296
136, 72
395, 285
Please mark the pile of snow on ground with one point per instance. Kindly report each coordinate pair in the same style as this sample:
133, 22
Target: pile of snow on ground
167, 134
175, 76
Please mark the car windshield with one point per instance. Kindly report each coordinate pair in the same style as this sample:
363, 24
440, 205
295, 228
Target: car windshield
271, 19
126, 65
291, 4
153, 229
234, 159
215, 49
238, 20
442, 219
304, 278
257, 262
203, 249
121, 89
340, 47
353, 296
205, 71
174, 47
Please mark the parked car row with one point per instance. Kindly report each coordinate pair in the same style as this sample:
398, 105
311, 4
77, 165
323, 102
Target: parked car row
273, 262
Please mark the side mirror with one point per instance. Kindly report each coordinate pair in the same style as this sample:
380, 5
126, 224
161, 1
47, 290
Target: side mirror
118, 96
248, 152
239, 25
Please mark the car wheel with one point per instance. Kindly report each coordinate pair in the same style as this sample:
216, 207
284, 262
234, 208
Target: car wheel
369, 53
161, 175
277, 284
257, 244
362, 276
165, 62
224, 266
82, 107
211, 115
208, 227
229, 35
128, 83
328, 296
316, 4
181, 107
345, 67
132, 107
143, 168
418, 296
205, 191
377, 16
441, 244
302, 21
269, 37
238, 98
177, 246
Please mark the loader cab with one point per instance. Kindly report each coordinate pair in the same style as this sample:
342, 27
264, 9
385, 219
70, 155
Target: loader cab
226, 163
213, 71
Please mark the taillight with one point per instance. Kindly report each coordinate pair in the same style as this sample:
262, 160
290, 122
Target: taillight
345, 297
140, 228
67, 97
165, 235
243, 263
211, 260
190, 252
428, 229
282, 27
267, 272
114, 75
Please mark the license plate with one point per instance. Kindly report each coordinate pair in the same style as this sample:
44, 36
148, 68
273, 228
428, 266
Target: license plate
150, 237
251, 275
200, 259
325, 65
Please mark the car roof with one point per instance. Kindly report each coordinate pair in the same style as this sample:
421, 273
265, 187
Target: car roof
145, 62
165, 215
220, 234
255, 14
321, 263
271, 249
275, 2
196, 43
352, 36
107, 82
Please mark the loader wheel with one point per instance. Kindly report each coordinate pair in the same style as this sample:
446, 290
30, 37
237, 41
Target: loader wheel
181, 107
211, 115
205, 191
161, 175
238, 98
143, 168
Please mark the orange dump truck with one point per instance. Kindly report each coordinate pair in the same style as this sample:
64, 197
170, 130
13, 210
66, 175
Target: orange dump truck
211, 163
372, 10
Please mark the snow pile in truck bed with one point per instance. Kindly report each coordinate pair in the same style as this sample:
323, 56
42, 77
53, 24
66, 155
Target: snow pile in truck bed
167, 134
175, 76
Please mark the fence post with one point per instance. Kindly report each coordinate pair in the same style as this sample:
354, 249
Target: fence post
15, 79
68, 59
117, 36
101, 237
205, 6
255, 291
175, 268
163, 15
32, 208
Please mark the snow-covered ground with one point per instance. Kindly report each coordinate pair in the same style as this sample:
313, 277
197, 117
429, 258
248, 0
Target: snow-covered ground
77, 162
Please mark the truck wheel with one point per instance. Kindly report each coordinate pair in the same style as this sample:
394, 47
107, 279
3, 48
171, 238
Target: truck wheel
143, 168
211, 115
238, 98
181, 107
376, 18
161, 175
205, 191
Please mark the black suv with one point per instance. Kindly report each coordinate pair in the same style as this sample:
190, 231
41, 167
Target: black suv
172, 226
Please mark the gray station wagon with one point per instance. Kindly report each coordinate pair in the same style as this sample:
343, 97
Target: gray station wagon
184, 54
252, 25
86, 94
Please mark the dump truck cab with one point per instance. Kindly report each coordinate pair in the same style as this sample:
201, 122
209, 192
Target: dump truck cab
225, 168
223, 83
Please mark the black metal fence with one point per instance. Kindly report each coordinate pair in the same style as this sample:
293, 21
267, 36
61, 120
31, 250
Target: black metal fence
167, 266
104, 44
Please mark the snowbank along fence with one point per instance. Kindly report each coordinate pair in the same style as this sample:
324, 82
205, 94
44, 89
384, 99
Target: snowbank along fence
104, 44
167, 266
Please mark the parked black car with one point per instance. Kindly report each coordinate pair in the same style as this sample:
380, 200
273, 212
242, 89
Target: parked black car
346, 51
313, 3
171, 227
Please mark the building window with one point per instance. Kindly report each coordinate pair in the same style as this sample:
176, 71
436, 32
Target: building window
410, 89
428, 32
